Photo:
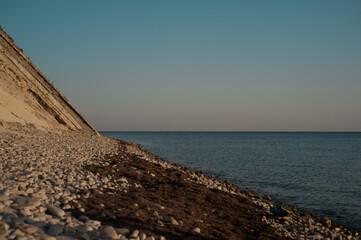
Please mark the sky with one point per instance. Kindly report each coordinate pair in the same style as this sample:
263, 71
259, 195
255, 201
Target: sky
199, 65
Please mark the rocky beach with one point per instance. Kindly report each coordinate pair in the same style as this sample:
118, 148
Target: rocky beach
60, 179
77, 185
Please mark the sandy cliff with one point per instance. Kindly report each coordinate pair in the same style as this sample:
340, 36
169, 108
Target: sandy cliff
28, 97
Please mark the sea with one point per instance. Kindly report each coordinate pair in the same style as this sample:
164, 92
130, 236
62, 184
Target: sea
319, 172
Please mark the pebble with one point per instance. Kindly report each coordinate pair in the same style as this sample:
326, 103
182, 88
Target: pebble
123, 180
29, 229
3, 197
5, 192
84, 228
64, 238
25, 211
38, 195
55, 211
159, 206
29, 202
108, 231
155, 213
83, 218
55, 230
94, 223
134, 238
134, 234
3, 232
82, 236
173, 221
93, 234
123, 231
196, 230
142, 236
46, 237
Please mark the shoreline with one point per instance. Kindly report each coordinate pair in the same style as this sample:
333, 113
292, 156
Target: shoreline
75, 173
305, 170
227, 186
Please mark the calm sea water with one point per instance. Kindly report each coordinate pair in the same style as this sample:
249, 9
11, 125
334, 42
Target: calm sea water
319, 172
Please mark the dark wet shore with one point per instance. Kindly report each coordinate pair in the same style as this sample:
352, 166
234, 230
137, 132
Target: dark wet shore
163, 194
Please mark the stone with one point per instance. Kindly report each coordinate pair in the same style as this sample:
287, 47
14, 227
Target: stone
64, 238
123, 180
196, 230
278, 211
55, 230
10, 212
40, 195
18, 237
20, 193
150, 238
93, 234
94, 223
159, 206
25, 211
134, 234
8, 202
310, 221
142, 236
42, 209
29, 229
22, 185
326, 222
29, 202
134, 238
155, 213
3, 232
123, 231
55, 211
18, 232
3, 197
108, 231
70, 230
29, 191
84, 228
173, 221
83, 218
5, 192
41, 217
315, 237
104, 179
267, 197
46, 237
82, 236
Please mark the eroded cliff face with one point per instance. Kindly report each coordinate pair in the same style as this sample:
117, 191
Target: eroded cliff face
28, 97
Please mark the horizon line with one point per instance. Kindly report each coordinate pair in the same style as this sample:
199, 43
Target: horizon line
291, 131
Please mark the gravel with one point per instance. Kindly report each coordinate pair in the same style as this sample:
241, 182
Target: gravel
41, 173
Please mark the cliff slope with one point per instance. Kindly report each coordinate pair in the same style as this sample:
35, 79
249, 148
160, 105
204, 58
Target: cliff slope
28, 97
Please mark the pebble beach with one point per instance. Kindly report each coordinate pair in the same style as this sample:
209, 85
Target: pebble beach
77, 185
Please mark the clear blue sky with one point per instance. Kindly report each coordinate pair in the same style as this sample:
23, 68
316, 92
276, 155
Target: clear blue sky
199, 65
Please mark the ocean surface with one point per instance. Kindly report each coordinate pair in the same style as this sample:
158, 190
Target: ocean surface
319, 172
